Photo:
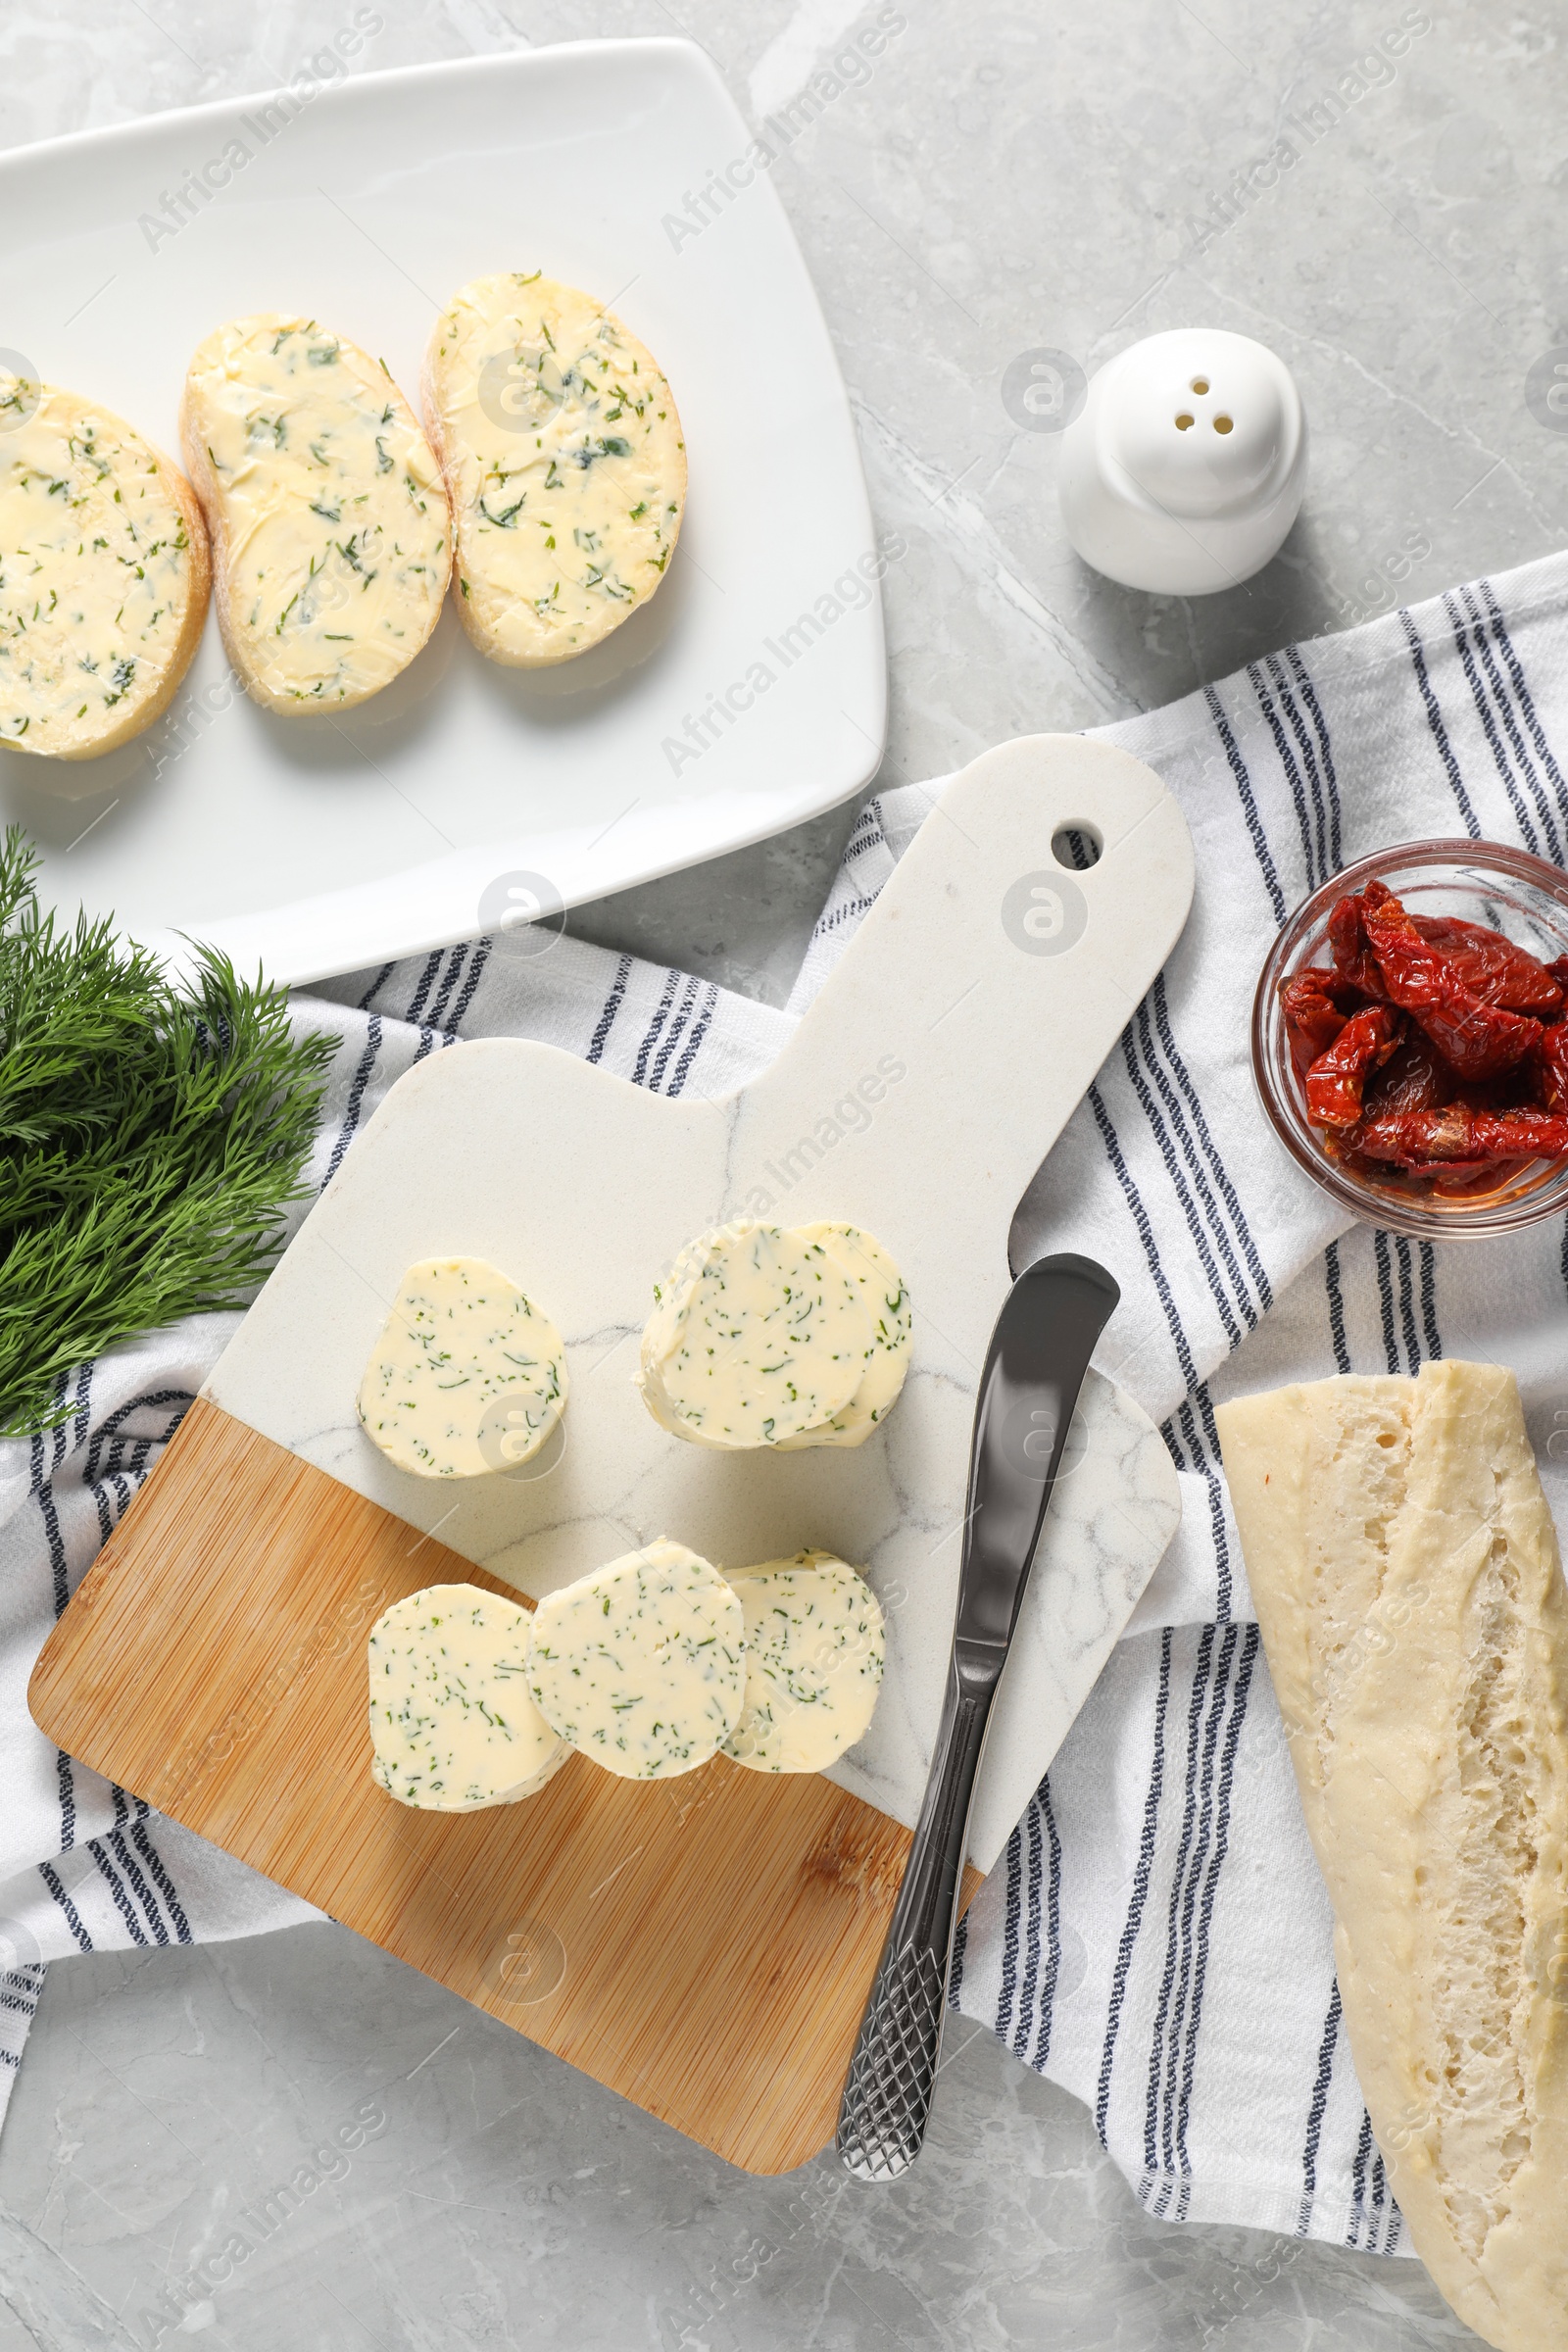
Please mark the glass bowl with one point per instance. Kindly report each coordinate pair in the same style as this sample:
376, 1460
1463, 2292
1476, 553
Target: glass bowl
1486, 882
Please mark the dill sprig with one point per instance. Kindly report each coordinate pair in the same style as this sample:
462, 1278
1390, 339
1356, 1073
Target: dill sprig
151, 1135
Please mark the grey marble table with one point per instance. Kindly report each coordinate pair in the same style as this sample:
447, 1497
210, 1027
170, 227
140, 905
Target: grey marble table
1015, 174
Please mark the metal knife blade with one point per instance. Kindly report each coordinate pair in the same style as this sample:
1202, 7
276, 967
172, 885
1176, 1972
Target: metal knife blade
1034, 1369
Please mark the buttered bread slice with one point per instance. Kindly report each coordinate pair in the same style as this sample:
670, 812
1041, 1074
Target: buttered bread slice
103, 574
563, 458
331, 538
1406, 1576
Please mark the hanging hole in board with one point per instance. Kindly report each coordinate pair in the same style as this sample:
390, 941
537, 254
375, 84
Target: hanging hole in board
1077, 846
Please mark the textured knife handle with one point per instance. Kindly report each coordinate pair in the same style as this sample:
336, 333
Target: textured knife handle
887, 2098
887, 2093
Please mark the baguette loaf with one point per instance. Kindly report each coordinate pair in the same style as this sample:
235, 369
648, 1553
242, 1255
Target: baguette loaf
563, 458
331, 539
104, 575
1407, 1582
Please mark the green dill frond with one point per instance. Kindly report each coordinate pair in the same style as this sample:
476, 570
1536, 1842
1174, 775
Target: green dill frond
151, 1135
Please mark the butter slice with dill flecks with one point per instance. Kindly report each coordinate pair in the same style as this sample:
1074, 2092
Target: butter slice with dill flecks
641, 1664
467, 1376
882, 1293
759, 1335
565, 462
815, 1652
452, 1723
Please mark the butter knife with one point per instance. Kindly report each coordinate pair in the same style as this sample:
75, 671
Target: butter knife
1034, 1370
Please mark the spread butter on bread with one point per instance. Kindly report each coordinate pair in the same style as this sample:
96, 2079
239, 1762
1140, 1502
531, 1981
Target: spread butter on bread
331, 538
564, 461
103, 574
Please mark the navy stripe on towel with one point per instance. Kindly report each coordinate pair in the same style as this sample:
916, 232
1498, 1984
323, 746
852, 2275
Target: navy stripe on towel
1315, 2112
1440, 733
1244, 786
1139, 1893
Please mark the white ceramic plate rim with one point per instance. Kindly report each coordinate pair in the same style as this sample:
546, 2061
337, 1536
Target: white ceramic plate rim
432, 903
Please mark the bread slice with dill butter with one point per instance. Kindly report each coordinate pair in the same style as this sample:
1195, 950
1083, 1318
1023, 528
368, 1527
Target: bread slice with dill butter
104, 574
331, 537
1406, 1576
563, 458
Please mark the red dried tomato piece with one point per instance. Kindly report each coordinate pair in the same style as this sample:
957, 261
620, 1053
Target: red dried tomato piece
1432, 1139
1477, 1040
1353, 959
1491, 966
1312, 1019
1415, 1077
1552, 1067
1335, 1081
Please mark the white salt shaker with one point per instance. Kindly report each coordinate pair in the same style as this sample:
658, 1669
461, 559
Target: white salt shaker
1185, 468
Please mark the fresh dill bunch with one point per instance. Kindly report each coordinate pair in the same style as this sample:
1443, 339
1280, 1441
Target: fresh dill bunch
151, 1135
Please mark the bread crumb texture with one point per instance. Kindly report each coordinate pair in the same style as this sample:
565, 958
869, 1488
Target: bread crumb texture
1408, 1584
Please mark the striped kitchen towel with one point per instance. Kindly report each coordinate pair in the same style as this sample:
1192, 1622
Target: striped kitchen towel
1156, 1938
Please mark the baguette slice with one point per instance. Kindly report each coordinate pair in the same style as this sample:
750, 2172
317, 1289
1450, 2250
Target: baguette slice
331, 539
1411, 1599
104, 574
565, 462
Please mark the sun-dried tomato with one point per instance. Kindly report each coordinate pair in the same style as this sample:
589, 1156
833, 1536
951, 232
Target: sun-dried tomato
1552, 1067
1415, 1077
1312, 1019
1491, 966
1353, 959
1422, 1139
1476, 1039
1434, 1048
1333, 1083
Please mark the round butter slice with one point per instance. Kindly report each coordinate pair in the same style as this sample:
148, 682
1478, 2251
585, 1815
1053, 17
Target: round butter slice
642, 1664
103, 574
564, 461
331, 535
467, 1375
452, 1724
815, 1652
757, 1336
886, 1300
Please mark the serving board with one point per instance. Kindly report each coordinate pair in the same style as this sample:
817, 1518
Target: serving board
716, 1934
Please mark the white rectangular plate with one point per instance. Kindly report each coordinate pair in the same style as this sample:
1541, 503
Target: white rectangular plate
320, 845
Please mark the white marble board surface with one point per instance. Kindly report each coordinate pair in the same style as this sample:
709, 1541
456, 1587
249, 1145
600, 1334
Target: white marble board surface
917, 1098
